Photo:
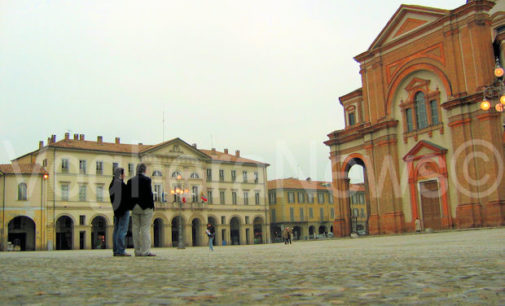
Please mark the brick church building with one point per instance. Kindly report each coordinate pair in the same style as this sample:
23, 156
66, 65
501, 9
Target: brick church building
432, 153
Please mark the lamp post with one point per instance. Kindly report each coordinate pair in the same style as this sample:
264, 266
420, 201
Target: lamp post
495, 90
178, 192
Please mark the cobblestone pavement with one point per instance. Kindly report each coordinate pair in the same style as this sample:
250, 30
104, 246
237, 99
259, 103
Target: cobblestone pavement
460, 267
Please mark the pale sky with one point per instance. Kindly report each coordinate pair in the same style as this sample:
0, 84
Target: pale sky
262, 77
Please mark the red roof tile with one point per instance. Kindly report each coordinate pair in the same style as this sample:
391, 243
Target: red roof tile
220, 156
134, 148
16, 168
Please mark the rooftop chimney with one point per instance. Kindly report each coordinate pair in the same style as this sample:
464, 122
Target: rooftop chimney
214, 151
140, 143
225, 151
118, 140
76, 136
194, 145
67, 136
41, 144
99, 139
81, 137
53, 138
237, 153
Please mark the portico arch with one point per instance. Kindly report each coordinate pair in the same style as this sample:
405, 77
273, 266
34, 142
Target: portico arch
21, 233
235, 230
64, 233
258, 230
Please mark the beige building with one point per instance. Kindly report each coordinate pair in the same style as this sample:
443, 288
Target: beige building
57, 196
306, 206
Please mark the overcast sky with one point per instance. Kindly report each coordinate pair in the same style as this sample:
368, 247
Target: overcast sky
262, 77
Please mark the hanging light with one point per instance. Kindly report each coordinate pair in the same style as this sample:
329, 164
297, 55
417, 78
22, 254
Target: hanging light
498, 70
485, 105
499, 107
502, 99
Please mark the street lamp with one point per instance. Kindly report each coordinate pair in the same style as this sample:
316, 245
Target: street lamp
495, 90
178, 192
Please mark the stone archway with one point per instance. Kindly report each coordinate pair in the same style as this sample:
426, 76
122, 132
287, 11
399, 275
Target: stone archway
356, 197
21, 233
297, 233
196, 232
177, 225
258, 230
235, 230
276, 233
158, 226
312, 232
322, 230
98, 232
64, 232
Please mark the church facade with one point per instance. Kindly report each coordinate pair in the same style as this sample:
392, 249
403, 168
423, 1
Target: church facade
431, 155
56, 197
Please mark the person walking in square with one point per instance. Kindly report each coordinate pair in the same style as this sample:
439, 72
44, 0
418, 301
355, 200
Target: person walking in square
211, 233
142, 203
121, 205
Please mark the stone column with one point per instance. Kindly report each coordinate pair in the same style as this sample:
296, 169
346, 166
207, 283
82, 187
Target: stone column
108, 236
219, 239
242, 234
87, 237
227, 234
167, 235
75, 238
188, 239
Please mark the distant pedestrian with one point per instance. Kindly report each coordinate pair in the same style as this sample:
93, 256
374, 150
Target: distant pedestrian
286, 235
121, 206
211, 233
142, 203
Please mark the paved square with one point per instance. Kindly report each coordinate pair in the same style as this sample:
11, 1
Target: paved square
460, 267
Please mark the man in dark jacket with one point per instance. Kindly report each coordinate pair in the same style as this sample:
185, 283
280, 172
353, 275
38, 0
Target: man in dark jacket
142, 203
121, 206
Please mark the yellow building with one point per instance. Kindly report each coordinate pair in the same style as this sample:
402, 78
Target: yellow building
359, 216
57, 196
305, 206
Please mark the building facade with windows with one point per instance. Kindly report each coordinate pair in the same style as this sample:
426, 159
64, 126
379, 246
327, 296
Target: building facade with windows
305, 206
429, 152
57, 196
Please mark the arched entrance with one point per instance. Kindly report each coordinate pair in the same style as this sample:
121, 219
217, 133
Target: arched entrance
276, 233
235, 231
64, 230
258, 230
158, 232
322, 230
175, 230
297, 233
357, 206
196, 232
98, 232
22, 233
311, 232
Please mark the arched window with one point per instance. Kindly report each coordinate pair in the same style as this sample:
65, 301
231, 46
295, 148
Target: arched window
157, 173
420, 105
176, 174
22, 192
195, 175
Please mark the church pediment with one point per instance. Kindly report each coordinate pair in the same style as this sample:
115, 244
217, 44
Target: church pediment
424, 148
406, 20
176, 148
